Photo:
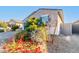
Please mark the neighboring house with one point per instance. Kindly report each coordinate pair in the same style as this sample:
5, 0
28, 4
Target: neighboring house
70, 28
76, 22
75, 27
11, 23
14, 22
54, 18
20, 24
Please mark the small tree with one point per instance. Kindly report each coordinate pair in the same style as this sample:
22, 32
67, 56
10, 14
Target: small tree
32, 25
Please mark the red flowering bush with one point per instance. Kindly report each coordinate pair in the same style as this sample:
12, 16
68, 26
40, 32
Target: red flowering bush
22, 47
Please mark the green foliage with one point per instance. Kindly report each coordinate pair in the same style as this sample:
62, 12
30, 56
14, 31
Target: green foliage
31, 25
15, 27
1, 30
22, 35
3, 24
18, 35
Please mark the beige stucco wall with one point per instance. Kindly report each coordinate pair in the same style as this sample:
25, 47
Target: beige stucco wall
52, 15
54, 18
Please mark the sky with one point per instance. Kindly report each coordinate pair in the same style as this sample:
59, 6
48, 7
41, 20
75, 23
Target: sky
71, 13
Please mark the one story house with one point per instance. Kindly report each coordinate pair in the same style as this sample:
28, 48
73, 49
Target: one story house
11, 23
54, 18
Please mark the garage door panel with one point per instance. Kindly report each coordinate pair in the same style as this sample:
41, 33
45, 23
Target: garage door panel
75, 29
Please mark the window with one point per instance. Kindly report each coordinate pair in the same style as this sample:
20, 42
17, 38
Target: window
45, 18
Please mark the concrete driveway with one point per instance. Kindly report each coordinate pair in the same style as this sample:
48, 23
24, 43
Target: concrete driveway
6, 35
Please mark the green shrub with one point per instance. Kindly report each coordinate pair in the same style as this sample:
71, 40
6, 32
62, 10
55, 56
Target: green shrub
26, 35
1, 30
15, 27
31, 25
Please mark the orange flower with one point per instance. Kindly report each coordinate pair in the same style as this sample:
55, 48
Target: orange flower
20, 41
28, 51
37, 50
30, 42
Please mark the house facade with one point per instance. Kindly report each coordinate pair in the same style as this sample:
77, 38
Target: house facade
53, 17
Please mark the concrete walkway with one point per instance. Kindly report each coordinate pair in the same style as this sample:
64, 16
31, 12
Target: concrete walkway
64, 44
